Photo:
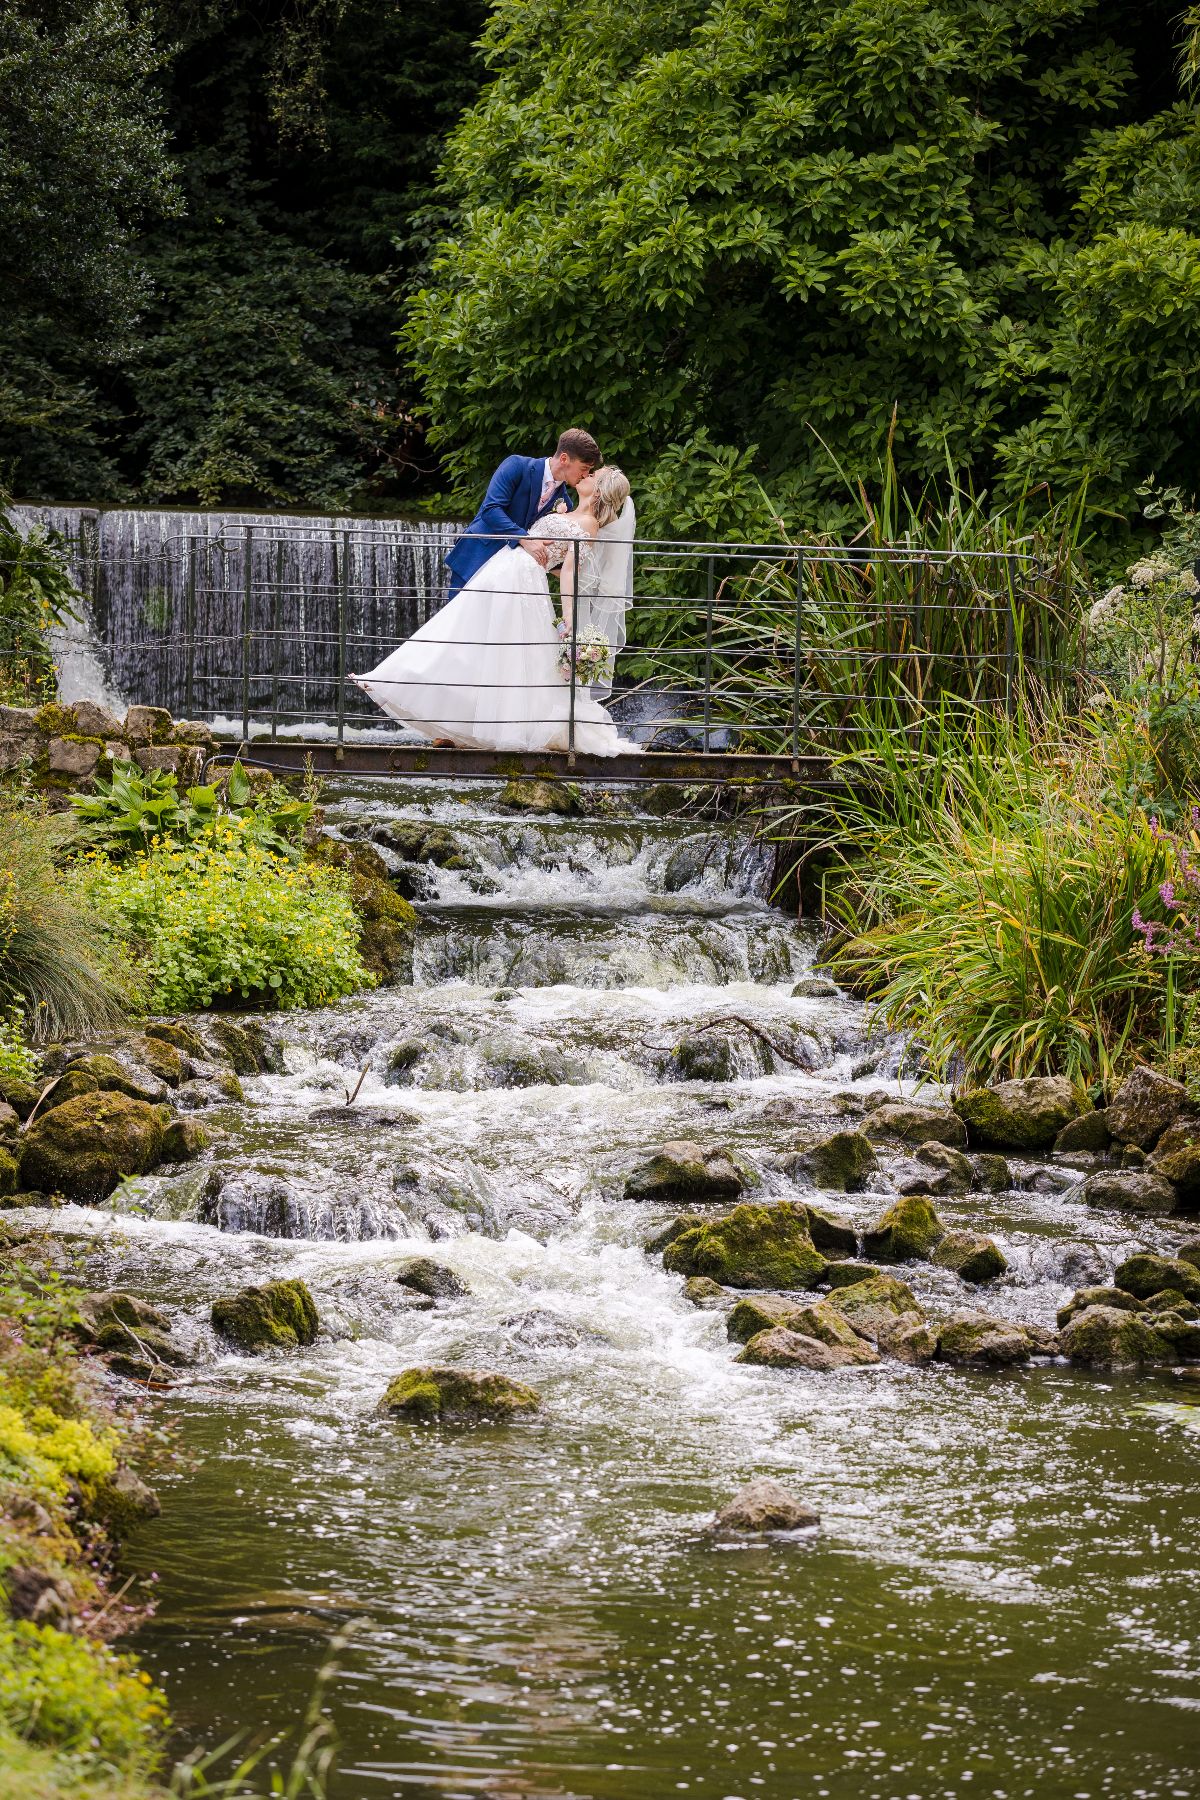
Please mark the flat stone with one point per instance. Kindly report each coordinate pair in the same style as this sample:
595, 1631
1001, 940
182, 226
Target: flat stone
1143, 1107
763, 1505
913, 1176
1130, 1190
847, 1274
160, 756
68, 756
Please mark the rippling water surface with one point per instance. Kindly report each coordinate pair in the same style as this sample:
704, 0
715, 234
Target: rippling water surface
1003, 1598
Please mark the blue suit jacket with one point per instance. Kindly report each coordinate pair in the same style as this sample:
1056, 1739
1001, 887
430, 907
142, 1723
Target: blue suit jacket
510, 507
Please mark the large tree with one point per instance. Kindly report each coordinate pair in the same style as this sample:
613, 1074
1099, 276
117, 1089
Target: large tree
717, 224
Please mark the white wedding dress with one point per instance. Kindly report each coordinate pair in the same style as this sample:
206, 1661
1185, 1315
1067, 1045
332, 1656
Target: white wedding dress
484, 670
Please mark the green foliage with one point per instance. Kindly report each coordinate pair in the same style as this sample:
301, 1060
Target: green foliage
80, 1696
137, 806
711, 227
36, 592
55, 959
224, 915
18, 1060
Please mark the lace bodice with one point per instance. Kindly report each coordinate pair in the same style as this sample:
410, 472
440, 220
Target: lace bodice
562, 531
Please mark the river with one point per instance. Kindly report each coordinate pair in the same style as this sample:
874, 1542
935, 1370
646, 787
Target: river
1002, 1598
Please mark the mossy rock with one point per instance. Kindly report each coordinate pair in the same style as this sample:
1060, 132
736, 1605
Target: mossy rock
1088, 1133
674, 1228
916, 1124
277, 1316
683, 1170
242, 1043
784, 1349
906, 1232
1144, 1105
875, 1307
1082, 1298
542, 796
1177, 1160
434, 1279
1112, 1338
83, 1148
750, 1247
10, 1174
762, 1312
1025, 1114
22, 1096
133, 1336
433, 1395
184, 1139
971, 1256
55, 720
982, 1342
840, 1163
1144, 1275
821, 1320
388, 921
112, 1076
992, 1174
1130, 1190
848, 1274
69, 1086
701, 1290
184, 1038
703, 1057
763, 1505
165, 1061
121, 1502
830, 1233
937, 1169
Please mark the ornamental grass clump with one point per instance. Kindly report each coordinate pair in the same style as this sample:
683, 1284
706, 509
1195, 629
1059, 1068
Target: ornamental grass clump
227, 916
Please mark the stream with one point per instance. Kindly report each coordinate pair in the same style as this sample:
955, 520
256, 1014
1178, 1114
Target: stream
1002, 1598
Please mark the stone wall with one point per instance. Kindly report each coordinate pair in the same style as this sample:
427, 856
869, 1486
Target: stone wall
65, 746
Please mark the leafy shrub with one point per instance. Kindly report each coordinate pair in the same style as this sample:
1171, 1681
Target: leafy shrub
18, 1062
136, 806
55, 958
227, 915
36, 592
77, 1695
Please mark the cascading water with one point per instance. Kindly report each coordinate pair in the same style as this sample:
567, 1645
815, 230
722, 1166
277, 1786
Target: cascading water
1001, 1601
170, 595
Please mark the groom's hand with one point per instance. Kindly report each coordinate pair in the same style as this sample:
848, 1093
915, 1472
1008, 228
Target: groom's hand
538, 548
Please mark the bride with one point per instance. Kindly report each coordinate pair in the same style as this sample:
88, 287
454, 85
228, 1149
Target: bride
487, 671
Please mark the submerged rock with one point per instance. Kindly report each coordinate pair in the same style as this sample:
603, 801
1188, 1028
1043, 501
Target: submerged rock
425, 1276
906, 1232
543, 1330
840, 1163
1026, 1114
683, 1170
916, 1124
763, 1505
431, 1394
1112, 1338
83, 1148
751, 1247
703, 1057
1144, 1275
781, 1348
970, 1255
1130, 1190
982, 1342
277, 1316
1144, 1105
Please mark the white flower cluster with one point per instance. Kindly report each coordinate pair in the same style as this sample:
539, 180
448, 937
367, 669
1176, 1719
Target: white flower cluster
1151, 569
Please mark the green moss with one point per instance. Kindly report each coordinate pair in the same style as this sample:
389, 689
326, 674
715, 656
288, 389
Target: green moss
181, 1037
86, 1146
751, 1247
277, 1316
433, 1395
876, 1306
1109, 1338
970, 1255
1082, 1298
10, 1170
840, 1163
1144, 1275
162, 1059
907, 1231
55, 720
183, 1139
748, 1317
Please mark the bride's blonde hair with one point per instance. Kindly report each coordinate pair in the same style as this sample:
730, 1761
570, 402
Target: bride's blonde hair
609, 494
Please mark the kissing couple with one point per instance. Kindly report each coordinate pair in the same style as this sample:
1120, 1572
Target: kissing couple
492, 670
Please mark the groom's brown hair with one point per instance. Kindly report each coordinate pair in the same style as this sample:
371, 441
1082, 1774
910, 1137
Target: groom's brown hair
581, 445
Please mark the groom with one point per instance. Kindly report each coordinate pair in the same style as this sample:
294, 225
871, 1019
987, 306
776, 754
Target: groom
521, 490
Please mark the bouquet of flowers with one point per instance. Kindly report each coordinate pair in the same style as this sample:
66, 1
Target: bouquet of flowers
593, 656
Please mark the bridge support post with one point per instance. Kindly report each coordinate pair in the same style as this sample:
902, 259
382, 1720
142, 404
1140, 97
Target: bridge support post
276, 638
708, 645
342, 596
247, 595
189, 626
796, 663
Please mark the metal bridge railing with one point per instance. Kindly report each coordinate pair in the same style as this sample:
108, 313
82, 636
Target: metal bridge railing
784, 649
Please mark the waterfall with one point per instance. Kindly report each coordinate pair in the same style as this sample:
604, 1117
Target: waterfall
173, 596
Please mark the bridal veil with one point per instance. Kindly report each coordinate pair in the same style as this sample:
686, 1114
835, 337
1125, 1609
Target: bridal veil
613, 553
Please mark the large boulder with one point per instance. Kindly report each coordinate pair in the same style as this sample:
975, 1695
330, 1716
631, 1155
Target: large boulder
113, 1076
758, 1312
780, 1348
877, 1307
83, 1148
916, 1124
1143, 1275
840, 1163
982, 1342
970, 1255
751, 1247
1112, 1338
1130, 1190
1026, 1114
1176, 1159
432, 1395
685, 1171
1143, 1107
763, 1505
277, 1316
906, 1232
1089, 1133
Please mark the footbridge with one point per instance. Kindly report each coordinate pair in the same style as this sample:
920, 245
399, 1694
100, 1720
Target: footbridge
745, 663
